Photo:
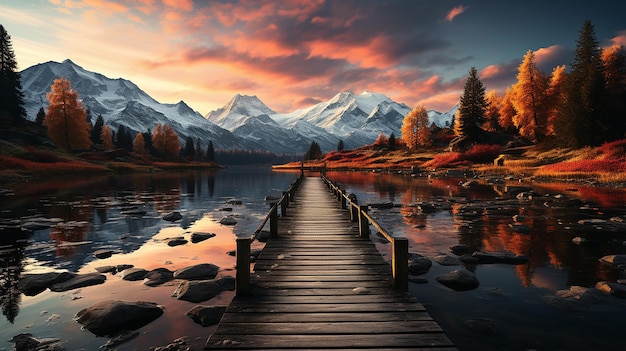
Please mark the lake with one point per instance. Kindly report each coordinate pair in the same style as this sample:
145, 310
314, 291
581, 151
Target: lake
514, 308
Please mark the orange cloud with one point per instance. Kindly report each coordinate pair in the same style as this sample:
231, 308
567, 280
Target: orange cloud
619, 40
548, 54
184, 5
490, 71
455, 12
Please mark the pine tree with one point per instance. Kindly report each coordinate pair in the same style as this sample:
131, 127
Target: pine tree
471, 113
340, 146
392, 141
41, 115
189, 151
210, 152
530, 100
614, 61
65, 119
314, 152
97, 130
198, 155
582, 118
11, 95
147, 138
107, 137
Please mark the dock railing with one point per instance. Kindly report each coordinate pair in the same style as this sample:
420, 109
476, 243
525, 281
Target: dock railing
242, 278
399, 246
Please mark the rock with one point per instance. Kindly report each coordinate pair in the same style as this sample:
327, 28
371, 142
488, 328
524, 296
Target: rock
172, 216
206, 315
106, 269
121, 267
110, 317
460, 249
227, 283
33, 284
79, 281
134, 274
467, 258
198, 237
234, 202
120, 339
499, 257
263, 236
26, 342
613, 289
419, 264
579, 241
104, 253
201, 271
574, 299
197, 291
228, 220
459, 280
526, 195
158, 276
177, 242
618, 261
447, 260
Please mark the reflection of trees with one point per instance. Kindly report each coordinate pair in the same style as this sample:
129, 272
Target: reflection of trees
78, 217
10, 294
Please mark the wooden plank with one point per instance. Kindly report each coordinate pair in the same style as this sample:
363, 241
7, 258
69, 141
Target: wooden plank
276, 317
329, 328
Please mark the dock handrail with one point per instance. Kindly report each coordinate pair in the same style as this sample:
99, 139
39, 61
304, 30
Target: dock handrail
242, 278
400, 246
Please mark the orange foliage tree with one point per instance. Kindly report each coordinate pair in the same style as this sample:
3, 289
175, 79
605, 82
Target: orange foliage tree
107, 137
507, 111
530, 99
492, 113
165, 141
66, 118
556, 96
139, 145
415, 129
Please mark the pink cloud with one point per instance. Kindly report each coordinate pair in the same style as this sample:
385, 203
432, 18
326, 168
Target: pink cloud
490, 71
455, 12
183, 5
619, 40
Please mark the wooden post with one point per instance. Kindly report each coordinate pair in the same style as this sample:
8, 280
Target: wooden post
364, 225
354, 212
343, 200
400, 264
242, 279
284, 204
273, 220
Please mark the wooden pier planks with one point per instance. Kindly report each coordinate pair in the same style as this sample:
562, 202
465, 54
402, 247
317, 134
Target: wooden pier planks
319, 286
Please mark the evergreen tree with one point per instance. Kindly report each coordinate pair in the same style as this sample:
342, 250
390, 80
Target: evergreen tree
614, 61
147, 138
210, 152
124, 138
41, 116
314, 152
97, 130
471, 113
582, 119
392, 141
198, 155
189, 151
65, 119
11, 95
340, 146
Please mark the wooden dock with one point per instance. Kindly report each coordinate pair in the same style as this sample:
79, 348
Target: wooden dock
318, 285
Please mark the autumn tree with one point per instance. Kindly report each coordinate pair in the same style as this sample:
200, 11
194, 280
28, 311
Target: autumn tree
556, 97
507, 111
381, 141
107, 138
582, 119
66, 117
408, 131
11, 95
530, 100
165, 141
614, 62
139, 145
492, 113
471, 113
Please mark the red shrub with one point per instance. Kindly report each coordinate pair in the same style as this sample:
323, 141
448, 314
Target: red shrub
482, 153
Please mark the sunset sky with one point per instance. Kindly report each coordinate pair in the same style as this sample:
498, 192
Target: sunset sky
292, 54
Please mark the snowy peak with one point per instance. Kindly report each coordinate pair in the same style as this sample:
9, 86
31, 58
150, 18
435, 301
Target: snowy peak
238, 112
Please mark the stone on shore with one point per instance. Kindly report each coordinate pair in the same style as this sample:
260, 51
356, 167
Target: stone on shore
104, 253
201, 271
613, 289
206, 315
172, 216
26, 342
197, 290
459, 280
618, 261
198, 237
447, 260
33, 284
110, 317
134, 274
499, 257
419, 264
177, 242
229, 220
79, 281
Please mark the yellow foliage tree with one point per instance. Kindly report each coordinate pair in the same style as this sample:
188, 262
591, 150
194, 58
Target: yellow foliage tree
139, 145
507, 111
415, 129
530, 100
107, 137
492, 113
66, 119
556, 96
165, 141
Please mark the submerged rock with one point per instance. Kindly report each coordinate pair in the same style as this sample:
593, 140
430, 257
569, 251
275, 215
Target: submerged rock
419, 264
110, 317
447, 260
229, 220
613, 289
499, 257
33, 284
26, 342
206, 315
459, 280
158, 276
177, 242
104, 253
133, 274
197, 290
198, 237
79, 281
172, 216
618, 261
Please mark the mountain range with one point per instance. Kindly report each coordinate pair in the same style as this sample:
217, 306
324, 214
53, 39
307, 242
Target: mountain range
245, 122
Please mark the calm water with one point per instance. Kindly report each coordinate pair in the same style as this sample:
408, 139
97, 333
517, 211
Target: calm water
506, 312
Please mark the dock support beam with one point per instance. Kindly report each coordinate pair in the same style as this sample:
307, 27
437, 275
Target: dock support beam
364, 224
242, 279
273, 220
400, 264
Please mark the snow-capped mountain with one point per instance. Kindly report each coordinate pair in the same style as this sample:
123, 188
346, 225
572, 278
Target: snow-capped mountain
245, 122
121, 102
